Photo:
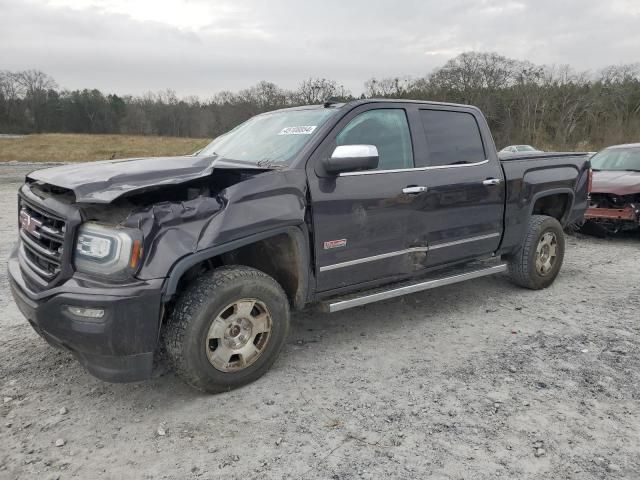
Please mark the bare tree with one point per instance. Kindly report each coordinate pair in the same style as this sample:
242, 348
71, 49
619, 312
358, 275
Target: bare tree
473, 72
317, 90
36, 85
394, 87
11, 92
34, 81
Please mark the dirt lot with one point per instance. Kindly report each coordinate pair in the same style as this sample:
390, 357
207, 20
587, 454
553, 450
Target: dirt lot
475, 381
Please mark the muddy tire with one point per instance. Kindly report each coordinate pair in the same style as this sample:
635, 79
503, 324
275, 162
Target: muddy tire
227, 328
538, 262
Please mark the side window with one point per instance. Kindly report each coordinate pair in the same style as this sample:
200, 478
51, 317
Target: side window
453, 138
388, 130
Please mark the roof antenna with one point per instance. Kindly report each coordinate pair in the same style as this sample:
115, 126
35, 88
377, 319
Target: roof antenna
331, 101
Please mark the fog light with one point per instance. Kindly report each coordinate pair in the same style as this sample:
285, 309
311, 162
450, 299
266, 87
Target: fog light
86, 312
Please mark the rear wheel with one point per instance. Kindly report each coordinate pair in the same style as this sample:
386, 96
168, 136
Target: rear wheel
227, 329
538, 262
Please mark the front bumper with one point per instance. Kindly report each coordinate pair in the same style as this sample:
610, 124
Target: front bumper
119, 347
627, 214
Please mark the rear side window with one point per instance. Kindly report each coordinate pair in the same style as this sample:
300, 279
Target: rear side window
388, 130
453, 138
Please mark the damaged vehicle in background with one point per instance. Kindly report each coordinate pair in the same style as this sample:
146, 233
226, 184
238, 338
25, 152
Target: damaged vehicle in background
335, 205
615, 193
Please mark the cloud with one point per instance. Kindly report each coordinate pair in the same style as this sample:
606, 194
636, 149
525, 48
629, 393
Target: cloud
201, 47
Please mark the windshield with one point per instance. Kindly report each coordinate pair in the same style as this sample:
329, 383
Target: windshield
271, 138
525, 148
617, 159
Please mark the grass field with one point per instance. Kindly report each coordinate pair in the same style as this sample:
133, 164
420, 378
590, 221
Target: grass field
79, 148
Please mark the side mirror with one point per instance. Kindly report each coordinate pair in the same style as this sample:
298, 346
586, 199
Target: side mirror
350, 158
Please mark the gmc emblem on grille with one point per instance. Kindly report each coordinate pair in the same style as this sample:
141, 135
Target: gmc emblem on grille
30, 224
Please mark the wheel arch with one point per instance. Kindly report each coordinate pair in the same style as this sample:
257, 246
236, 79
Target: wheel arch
556, 203
281, 253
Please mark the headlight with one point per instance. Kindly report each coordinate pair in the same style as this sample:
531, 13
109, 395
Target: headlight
107, 250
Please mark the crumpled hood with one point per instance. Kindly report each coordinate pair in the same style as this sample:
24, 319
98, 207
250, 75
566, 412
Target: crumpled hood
615, 182
103, 182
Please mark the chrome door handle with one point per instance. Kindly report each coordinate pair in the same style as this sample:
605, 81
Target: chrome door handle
491, 181
414, 189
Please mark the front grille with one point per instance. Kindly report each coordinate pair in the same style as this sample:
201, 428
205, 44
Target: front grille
42, 235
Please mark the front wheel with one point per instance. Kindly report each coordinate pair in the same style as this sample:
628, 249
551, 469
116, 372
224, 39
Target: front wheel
538, 262
227, 328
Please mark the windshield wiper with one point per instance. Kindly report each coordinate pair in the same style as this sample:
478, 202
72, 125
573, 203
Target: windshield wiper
269, 164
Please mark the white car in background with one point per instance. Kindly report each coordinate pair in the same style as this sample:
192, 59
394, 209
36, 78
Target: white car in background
519, 149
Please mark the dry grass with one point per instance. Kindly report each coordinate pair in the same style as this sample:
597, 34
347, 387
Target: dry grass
80, 148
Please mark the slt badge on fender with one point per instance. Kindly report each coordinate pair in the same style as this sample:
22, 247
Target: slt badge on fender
329, 244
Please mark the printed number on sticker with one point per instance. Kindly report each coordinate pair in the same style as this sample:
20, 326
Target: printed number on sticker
303, 130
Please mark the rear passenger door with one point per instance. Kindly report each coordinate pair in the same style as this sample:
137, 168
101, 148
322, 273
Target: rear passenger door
462, 209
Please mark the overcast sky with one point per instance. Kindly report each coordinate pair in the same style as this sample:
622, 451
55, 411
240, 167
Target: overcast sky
203, 46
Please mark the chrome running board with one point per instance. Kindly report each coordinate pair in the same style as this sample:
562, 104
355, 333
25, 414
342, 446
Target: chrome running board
363, 298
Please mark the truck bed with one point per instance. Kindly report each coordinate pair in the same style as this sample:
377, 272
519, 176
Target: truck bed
531, 175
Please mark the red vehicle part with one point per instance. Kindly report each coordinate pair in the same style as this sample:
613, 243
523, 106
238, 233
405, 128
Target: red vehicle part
629, 213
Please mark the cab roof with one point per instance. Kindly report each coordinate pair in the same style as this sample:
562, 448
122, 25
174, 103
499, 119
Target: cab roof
355, 103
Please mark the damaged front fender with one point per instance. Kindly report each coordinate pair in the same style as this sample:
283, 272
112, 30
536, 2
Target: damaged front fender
263, 203
200, 213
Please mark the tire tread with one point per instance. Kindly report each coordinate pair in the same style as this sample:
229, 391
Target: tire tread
189, 303
519, 264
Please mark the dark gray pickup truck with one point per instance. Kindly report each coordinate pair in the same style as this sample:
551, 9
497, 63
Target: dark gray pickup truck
338, 205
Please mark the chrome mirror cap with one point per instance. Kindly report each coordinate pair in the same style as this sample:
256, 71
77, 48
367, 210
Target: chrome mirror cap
355, 151
352, 158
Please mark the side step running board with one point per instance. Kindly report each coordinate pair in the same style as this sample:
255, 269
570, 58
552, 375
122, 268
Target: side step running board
343, 303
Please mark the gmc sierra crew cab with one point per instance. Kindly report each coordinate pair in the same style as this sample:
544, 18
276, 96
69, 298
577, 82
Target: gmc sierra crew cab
202, 257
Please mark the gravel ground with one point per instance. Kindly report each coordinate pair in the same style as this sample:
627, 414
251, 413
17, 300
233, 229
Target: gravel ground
481, 380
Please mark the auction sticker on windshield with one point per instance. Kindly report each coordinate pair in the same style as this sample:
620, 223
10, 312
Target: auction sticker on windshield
302, 130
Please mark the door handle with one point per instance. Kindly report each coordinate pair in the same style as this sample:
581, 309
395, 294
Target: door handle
413, 189
491, 181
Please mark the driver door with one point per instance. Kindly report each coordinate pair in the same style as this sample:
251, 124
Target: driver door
361, 218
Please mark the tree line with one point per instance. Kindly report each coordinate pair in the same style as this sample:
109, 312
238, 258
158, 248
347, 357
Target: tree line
549, 107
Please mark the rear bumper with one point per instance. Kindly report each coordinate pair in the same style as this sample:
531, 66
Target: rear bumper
119, 346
